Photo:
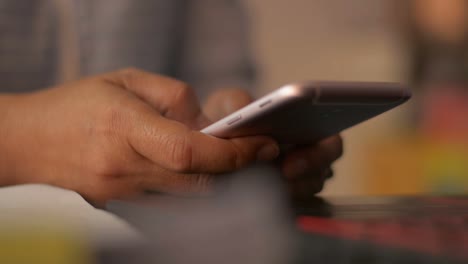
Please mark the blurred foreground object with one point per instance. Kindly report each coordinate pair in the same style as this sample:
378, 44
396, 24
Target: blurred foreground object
247, 222
41, 244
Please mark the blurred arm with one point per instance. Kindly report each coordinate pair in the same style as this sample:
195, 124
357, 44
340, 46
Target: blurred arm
215, 51
6, 103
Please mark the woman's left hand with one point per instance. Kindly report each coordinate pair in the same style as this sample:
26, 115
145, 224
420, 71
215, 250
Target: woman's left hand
305, 168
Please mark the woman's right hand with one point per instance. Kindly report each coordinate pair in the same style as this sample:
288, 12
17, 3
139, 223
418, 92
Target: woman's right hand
117, 135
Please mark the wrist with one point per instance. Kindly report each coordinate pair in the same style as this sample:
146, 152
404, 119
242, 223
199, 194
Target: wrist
9, 103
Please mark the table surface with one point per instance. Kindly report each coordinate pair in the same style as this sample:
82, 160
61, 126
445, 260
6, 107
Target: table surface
42, 205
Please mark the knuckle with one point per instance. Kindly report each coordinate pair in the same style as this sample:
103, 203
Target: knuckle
200, 183
183, 93
103, 165
127, 76
128, 71
241, 155
108, 122
180, 154
103, 134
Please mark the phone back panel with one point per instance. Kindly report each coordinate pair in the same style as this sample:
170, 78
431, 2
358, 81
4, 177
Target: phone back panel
313, 112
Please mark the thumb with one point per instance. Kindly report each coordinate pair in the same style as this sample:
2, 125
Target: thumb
175, 147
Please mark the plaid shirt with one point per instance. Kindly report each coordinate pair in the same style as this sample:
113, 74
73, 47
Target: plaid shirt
45, 42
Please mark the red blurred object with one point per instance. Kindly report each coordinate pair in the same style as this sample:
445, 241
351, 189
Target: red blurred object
445, 114
435, 235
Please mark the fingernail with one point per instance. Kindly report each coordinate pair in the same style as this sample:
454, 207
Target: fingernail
299, 167
268, 152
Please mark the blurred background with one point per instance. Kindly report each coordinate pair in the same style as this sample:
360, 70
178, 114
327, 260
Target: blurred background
418, 148
421, 147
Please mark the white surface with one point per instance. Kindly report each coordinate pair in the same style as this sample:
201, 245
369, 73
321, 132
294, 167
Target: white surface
43, 206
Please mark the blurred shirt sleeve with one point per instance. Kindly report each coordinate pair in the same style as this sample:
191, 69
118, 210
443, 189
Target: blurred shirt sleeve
203, 42
215, 51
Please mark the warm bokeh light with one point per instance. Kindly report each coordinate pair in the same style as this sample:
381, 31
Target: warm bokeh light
420, 147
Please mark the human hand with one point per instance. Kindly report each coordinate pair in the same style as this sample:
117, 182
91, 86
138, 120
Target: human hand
306, 168
117, 135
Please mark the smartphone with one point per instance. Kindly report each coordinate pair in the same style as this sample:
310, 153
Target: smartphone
306, 112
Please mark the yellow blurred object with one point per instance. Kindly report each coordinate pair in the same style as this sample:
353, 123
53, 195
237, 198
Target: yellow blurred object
415, 165
394, 167
446, 168
41, 245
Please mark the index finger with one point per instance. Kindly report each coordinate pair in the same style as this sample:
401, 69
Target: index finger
172, 98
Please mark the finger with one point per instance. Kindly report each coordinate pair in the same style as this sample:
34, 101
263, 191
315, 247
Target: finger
306, 187
315, 157
172, 98
332, 147
175, 147
224, 102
